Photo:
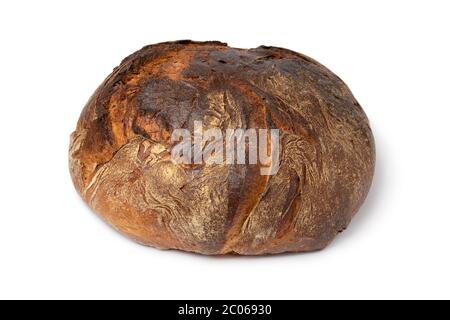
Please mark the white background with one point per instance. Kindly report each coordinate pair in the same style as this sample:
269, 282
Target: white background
395, 57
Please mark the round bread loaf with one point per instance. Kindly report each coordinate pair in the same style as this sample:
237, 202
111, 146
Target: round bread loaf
122, 164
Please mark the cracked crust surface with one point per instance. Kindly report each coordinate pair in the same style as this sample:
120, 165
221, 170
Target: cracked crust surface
120, 152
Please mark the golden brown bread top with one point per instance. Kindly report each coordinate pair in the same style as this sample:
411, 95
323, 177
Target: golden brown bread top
120, 151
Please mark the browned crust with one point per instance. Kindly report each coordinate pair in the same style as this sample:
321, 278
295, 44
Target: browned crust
120, 163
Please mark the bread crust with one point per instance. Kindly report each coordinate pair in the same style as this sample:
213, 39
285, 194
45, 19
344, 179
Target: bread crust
120, 151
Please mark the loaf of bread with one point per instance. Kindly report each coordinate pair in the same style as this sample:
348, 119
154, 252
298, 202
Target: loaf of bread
122, 165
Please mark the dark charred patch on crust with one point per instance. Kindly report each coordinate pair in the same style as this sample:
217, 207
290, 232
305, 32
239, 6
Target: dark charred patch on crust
170, 100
